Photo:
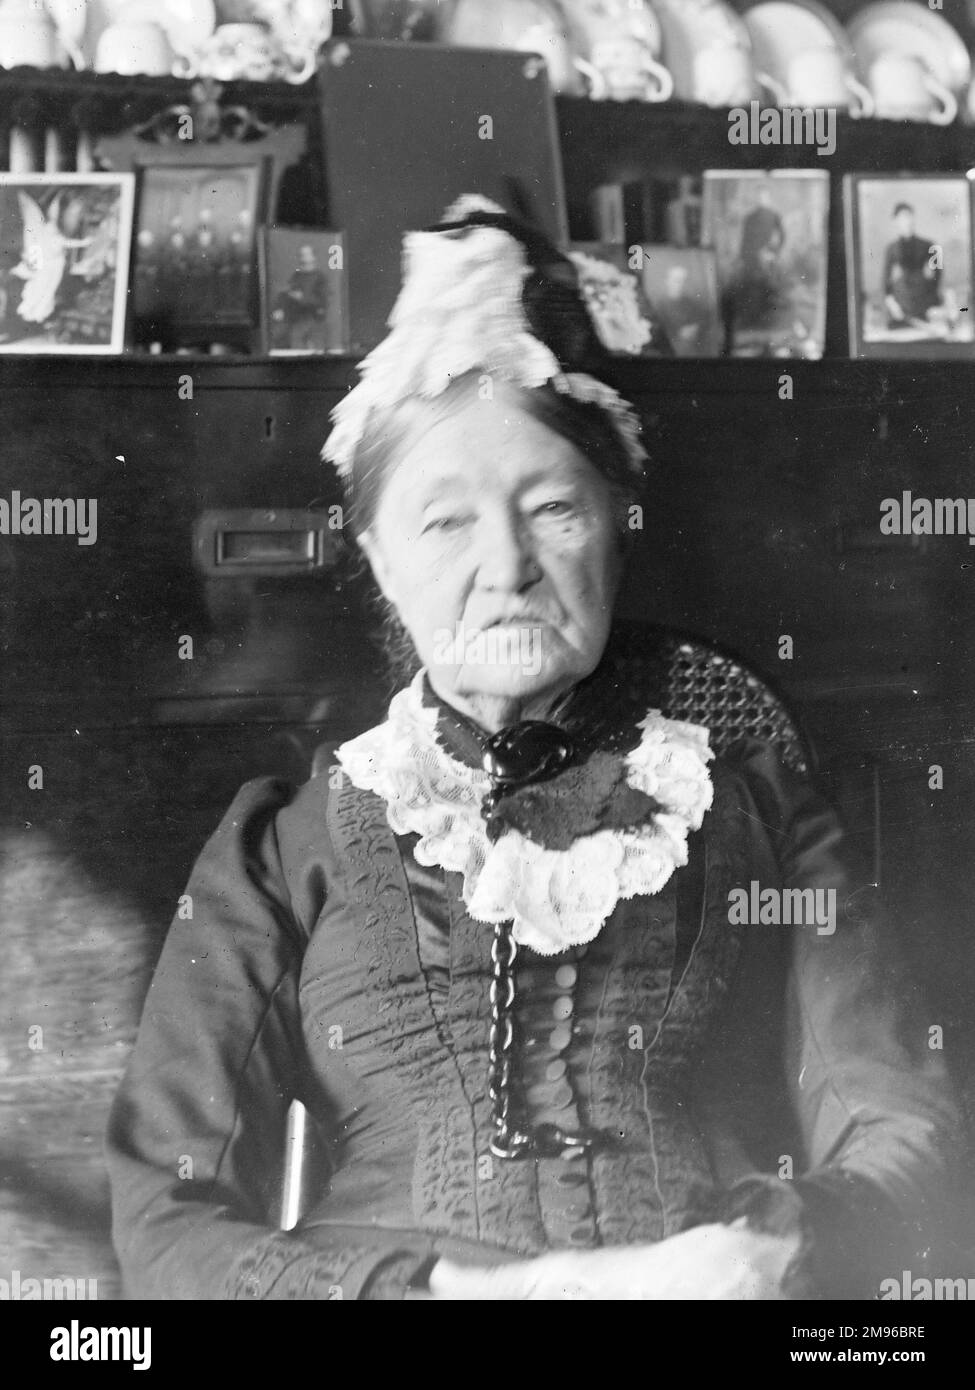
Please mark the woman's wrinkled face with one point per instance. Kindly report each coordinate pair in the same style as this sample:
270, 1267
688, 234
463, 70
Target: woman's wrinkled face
494, 538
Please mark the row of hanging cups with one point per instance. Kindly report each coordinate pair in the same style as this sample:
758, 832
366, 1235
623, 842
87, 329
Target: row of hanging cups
623, 57
30, 38
232, 52
898, 87
622, 61
619, 57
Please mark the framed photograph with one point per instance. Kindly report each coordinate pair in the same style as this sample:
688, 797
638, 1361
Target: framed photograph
304, 291
64, 262
909, 265
769, 233
195, 275
681, 286
613, 292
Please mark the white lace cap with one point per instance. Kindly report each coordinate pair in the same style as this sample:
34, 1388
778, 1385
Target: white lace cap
555, 898
459, 311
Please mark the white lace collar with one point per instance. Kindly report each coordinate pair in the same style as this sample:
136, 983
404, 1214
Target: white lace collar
555, 898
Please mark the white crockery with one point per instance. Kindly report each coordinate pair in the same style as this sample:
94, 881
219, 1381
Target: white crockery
629, 70
904, 89
819, 77
723, 76
134, 46
911, 29
28, 37
707, 51
803, 56
530, 26
244, 51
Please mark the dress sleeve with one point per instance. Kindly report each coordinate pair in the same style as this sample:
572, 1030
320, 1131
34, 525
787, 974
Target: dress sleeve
874, 1112
195, 1144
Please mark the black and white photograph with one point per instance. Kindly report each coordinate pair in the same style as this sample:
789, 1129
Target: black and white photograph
769, 233
681, 286
64, 258
612, 289
196, 247
487, 697
304, 291
909, 257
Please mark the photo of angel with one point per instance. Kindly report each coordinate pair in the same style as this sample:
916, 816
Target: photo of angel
769, 233
64, 261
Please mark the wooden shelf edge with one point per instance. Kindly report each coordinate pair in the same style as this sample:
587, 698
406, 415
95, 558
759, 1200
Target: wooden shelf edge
873, 382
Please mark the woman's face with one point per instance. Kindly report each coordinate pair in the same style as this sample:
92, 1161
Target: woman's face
495, 540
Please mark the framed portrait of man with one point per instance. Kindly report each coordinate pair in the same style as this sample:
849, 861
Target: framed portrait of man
304, 291
769, 233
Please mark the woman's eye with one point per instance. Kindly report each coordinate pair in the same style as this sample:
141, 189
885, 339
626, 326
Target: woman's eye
443, 524
556, 507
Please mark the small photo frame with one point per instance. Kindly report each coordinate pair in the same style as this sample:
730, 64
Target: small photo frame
304, 291
909, 265
195, 275
770, 234
613, 293
64, 262
681, 286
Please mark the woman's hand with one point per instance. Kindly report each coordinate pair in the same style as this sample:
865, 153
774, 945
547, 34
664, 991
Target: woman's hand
708, 1262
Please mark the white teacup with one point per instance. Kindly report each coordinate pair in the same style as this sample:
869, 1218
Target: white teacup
820, 77
28, 38
567, 72
723, 76
244, 51
623, 40
134, 46
903, 89
629, 70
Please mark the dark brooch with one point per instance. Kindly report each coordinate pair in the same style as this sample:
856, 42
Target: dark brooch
539, 788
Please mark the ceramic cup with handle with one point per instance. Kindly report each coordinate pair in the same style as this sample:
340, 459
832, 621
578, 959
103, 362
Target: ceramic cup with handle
28, 37
622, 40
244, 51
529, 26
723, 75
567, 72
904, 89
819, 77
134, 46
629, 70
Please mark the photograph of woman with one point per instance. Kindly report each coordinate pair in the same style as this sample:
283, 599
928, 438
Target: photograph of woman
490, 946
910, 262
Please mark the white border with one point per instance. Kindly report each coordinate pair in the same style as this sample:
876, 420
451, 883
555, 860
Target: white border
125, 182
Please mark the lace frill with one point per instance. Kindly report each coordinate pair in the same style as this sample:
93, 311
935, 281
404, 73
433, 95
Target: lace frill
556, 899
460, 310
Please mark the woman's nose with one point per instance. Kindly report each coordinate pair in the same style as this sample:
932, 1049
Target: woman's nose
507, 559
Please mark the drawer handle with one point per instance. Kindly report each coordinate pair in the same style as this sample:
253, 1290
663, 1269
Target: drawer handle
262, 542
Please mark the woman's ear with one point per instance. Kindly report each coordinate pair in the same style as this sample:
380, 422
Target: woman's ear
380, 570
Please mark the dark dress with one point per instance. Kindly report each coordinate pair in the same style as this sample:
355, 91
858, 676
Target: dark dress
910, 278
322, 962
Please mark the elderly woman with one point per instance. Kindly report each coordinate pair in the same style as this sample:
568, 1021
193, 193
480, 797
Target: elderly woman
498, 955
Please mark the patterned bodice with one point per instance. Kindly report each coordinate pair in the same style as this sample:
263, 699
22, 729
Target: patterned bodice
608, 1035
